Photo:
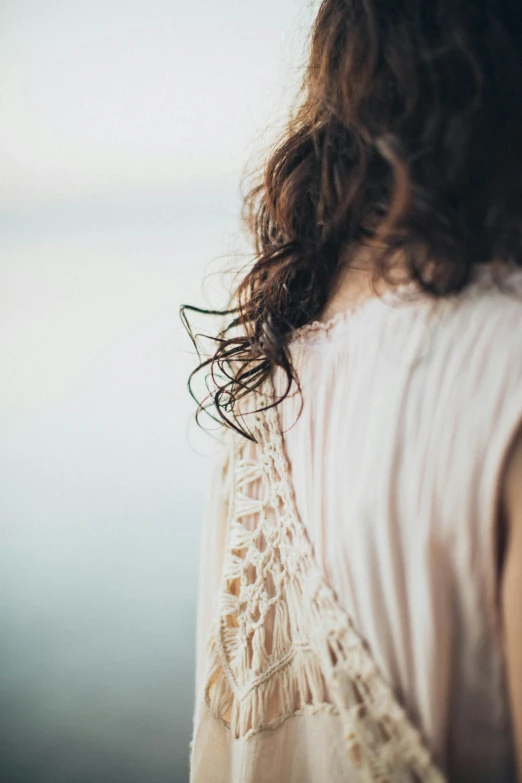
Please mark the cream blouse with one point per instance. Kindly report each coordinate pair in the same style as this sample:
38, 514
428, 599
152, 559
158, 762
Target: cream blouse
348, 623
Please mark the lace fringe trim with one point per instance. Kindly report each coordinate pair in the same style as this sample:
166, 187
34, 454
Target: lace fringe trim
484, 278
317, 660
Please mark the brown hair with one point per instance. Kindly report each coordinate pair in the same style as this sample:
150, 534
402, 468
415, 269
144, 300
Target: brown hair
407, 139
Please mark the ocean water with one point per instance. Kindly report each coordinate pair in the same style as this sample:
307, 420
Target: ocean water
104, 481
124, 131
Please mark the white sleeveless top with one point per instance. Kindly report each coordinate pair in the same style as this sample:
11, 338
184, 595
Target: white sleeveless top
348, 619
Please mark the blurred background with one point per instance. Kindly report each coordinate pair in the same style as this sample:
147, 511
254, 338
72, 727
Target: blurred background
124, 130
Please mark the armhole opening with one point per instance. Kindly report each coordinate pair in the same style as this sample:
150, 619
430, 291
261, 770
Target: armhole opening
507, 436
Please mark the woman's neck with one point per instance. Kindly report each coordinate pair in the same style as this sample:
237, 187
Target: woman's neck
355, 284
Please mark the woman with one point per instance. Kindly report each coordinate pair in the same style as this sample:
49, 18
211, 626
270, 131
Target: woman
361, 585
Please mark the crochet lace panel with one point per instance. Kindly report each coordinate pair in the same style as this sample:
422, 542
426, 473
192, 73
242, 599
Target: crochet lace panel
282, 645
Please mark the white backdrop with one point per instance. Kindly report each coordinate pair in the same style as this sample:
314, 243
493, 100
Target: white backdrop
124, 128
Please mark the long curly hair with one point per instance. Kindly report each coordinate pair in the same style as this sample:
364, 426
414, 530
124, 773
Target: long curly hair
407, 139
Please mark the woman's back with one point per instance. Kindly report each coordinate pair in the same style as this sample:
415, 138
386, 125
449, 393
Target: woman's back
393, 468
405, 150
409, 410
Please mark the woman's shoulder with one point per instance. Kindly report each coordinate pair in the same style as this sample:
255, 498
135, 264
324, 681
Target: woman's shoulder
476, 345
476, 335
490, 296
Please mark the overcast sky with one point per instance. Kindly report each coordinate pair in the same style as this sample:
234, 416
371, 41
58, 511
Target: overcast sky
124, 128
104, 98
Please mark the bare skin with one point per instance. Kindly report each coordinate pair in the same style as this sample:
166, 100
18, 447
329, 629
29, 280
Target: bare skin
353, 288
354, 285
511, 589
